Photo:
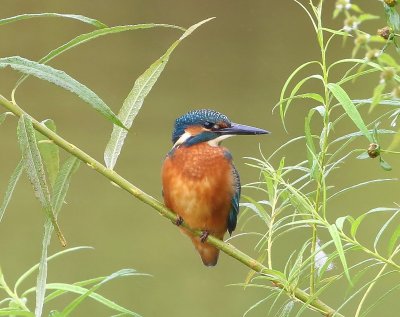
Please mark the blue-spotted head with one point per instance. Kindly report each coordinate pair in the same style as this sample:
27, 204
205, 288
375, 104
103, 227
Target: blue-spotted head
206, 125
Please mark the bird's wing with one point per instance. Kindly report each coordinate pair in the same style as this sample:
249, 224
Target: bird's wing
234, 212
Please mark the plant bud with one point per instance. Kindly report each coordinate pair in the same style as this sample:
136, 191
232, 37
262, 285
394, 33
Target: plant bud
373, 150
390, 3
384, 32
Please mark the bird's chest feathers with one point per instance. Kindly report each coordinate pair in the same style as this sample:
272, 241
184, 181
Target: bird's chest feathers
198, 181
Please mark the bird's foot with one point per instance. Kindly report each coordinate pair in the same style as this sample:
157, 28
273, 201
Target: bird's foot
204, 236
179, 221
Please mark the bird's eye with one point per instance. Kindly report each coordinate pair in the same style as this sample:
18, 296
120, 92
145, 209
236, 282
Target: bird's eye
208, 125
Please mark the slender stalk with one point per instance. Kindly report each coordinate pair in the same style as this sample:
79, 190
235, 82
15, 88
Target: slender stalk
227, 248
373, 284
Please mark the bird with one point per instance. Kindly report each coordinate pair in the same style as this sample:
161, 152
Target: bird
199, 180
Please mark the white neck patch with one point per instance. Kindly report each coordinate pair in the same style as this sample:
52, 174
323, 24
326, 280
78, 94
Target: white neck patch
182, 139
217, 141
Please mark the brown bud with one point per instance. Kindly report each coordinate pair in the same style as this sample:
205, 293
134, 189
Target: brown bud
373, 150
391, 3
384, 32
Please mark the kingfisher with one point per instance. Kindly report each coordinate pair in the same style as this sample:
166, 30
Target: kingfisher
200, 183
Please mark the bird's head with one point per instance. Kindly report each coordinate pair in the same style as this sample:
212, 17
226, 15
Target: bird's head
208, 126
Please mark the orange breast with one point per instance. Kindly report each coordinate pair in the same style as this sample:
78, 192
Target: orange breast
198, 185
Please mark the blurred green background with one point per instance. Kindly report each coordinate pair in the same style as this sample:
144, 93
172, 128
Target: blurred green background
235, 64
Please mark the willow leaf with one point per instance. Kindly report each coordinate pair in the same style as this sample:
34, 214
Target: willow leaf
76, 302
60, 190
60, 79
15, 176
350, 109
49, 152
339, 247
4, 115
83, 38
134, 101
81, 18
35, 170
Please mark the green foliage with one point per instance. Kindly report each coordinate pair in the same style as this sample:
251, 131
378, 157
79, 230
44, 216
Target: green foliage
298, 196
50, 177
15, 303
135, 99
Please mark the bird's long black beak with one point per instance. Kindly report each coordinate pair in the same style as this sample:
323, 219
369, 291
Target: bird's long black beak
241, 129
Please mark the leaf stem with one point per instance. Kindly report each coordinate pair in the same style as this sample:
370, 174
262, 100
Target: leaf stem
273, 276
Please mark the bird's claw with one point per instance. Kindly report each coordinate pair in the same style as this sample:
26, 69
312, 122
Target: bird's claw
179, 221
204, 236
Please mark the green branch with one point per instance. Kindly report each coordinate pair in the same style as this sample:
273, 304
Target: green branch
273, 276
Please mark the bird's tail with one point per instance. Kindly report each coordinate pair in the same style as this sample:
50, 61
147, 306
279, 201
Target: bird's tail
208, 253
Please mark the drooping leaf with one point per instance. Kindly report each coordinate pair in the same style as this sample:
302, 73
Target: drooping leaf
383, 228
377, 95
339, 247
34, 167
393, 240
49, 152
393, 17
385, 165
60, 191
4, 115
60, 79
83, 38
76, 302
350, 109
15, 176
134, 101
26, 16
31, 270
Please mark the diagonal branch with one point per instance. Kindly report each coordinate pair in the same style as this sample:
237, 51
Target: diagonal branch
297, 293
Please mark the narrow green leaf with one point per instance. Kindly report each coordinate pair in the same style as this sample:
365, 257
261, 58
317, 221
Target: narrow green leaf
350, 109
283, 106
393, 240
311, 151
339, 247
81, 18
60, 191
336, 32
76, 302
35, 170
134, 101
382, 230
377, 95
4, 115
15, 176
31, 270
61, 79
83, 38
62, 182
358, 220
393, 17
385, 165
15, 312
367, 17
49, 152
97, 297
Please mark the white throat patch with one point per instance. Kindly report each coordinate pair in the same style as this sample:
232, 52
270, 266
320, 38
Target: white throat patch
217, 141
182, 139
